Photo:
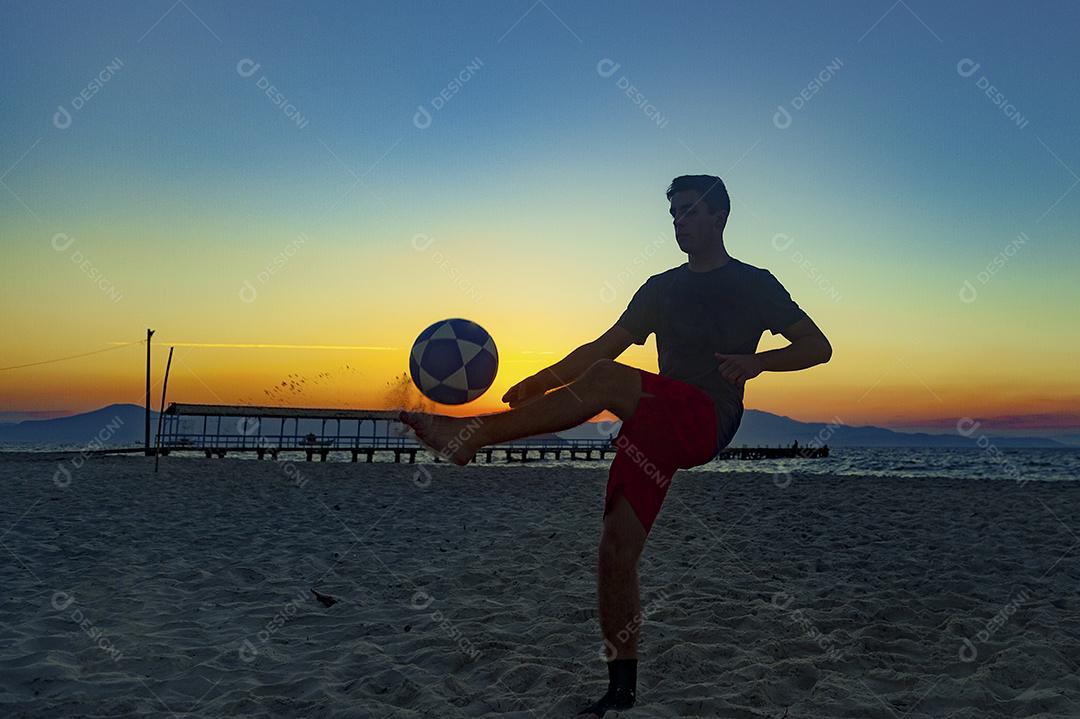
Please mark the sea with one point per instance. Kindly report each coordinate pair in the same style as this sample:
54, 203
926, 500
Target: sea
1019, 465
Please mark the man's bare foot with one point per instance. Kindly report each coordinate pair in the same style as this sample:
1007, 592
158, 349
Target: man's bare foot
451, 438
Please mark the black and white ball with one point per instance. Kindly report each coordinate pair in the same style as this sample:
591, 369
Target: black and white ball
453, 361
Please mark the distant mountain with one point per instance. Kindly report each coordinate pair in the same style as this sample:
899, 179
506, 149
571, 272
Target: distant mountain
112, 426
122, 425
763, 429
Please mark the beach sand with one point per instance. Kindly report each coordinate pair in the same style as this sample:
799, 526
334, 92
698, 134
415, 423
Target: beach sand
470, 592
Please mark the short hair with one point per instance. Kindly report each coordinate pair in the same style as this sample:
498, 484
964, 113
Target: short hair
711, 189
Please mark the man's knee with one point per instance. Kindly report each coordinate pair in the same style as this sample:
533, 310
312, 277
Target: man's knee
602, 372
619, 383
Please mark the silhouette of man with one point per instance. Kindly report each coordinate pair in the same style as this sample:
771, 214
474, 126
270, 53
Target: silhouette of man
708, 315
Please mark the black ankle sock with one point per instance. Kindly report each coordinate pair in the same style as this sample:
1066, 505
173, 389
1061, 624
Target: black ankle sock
622, 674
622, 688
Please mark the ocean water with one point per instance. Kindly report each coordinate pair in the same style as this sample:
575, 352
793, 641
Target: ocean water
1015, 465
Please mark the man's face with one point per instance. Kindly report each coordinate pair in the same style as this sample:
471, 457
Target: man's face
695, 227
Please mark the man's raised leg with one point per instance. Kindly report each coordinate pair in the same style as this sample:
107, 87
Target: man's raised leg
605, 385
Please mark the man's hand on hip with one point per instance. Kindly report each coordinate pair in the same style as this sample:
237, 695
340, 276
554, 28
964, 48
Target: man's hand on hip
739, 368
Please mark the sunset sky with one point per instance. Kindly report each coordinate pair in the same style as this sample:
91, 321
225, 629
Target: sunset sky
296, 190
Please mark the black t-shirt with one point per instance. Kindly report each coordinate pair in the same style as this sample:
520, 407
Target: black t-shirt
695, 314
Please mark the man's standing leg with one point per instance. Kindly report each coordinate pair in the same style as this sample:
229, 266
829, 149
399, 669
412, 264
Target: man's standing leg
619, 601
671, 427
617, 586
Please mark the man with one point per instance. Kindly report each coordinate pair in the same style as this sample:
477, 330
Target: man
708, 315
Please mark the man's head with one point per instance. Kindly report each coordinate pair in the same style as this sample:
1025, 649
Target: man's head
699, 211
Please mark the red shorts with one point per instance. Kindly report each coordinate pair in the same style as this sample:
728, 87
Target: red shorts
674, 429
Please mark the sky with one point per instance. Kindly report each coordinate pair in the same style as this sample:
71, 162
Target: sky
288, 191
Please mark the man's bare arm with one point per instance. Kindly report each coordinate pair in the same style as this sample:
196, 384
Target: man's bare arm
608, 346
808, 347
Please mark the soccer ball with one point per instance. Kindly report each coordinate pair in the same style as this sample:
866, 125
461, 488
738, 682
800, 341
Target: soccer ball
453, 361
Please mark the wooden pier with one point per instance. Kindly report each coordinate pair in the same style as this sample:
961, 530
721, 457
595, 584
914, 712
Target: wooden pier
266, 432
774, 452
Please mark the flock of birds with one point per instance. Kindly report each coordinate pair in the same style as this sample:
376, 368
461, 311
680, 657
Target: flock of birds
400, 391
296, 386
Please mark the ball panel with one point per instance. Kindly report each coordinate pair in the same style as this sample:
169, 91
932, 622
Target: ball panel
428, 331
417, 354
481, 370
458, 380
445, 331
426, 382
447, 395
469, 330
468, 350
441, 358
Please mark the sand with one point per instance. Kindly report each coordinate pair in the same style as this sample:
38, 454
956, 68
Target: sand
470, 592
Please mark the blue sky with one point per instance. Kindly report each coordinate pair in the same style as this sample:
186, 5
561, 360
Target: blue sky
898, 178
